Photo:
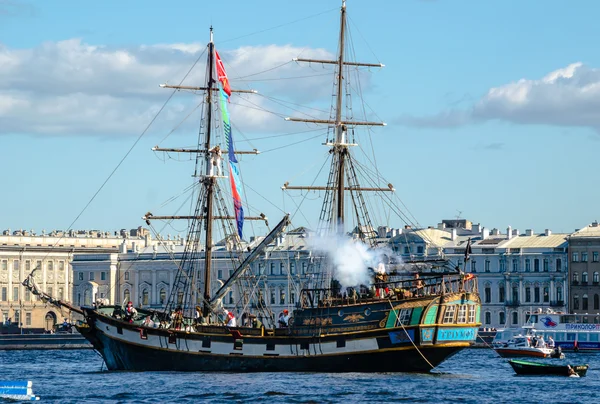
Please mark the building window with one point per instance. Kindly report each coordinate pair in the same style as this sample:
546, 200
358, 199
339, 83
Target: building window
487, 265
80, 276
50, 266
595, 256
304, 267
546, 294
61, 293
406, 250
27, 266
501, 319
272, 268
282, 297
546, 265
584, 257
180, 297
126, 275
292, 297
220, 274
515, 318
527, 265
515, 265
91, 276
293, 267
559, 294
261, 268
575, 278
527, 294
27, 295
536, 265
38, 264
473, 266
4, 298
558, 265
420, 249
5, 265
231, 297
576, 302
102, 276
501, 293
15, 265
488, 318
126, 295
502, 265
163, 296
536, 294
79, 299
584, 302
515, 295
145, 297
488, 294
584, 278
16, 293
61, 265
596, 302
575, 257
281, 268
272, 297
596, 277
27, 318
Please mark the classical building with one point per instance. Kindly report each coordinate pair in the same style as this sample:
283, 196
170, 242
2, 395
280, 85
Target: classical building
516, 272
584, 247
51, 255
147, 276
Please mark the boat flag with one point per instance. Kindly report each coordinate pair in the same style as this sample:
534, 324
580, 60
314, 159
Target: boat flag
234, 170
468, 250
222, 75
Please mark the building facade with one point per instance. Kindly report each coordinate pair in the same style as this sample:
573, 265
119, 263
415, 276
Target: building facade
584, 250
516, 273
51, 255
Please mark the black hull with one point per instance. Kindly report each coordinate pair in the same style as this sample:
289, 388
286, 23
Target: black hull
124, 356
535, 369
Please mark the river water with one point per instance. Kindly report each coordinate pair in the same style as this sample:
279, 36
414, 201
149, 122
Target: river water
472, 376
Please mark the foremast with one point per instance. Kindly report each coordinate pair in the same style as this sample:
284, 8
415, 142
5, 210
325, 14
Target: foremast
342, 176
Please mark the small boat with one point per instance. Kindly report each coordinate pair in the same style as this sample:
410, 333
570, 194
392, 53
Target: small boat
521, 346
17, 390
534, 368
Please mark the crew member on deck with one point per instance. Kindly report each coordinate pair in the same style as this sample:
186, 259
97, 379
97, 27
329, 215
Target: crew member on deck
230, 318
178, 318
130, 312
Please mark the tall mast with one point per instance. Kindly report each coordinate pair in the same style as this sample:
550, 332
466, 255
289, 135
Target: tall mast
340, 147
342, 164
209, 180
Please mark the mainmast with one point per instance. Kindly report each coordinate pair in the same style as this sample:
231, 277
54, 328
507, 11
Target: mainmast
341, 163
209, 180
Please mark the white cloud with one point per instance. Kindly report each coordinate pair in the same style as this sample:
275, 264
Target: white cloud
73, 88
569, 96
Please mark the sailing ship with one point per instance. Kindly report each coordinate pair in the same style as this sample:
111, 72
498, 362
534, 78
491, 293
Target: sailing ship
401, 321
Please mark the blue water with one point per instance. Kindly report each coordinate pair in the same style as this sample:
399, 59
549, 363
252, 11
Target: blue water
472, 376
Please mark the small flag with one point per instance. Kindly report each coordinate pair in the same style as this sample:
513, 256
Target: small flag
468, 250
222, 75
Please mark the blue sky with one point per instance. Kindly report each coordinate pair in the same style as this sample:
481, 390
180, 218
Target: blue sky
490, 106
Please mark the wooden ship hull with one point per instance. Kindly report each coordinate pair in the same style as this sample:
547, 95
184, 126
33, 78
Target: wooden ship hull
352, 338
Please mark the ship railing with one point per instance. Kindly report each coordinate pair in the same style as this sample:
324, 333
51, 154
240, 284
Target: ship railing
427, 285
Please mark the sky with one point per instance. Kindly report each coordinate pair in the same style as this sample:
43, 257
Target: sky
491, 107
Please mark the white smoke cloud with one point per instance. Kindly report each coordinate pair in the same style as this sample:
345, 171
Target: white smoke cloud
351, 259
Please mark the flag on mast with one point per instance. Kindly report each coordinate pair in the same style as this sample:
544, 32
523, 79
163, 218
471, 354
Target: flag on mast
234, 170
222, 74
